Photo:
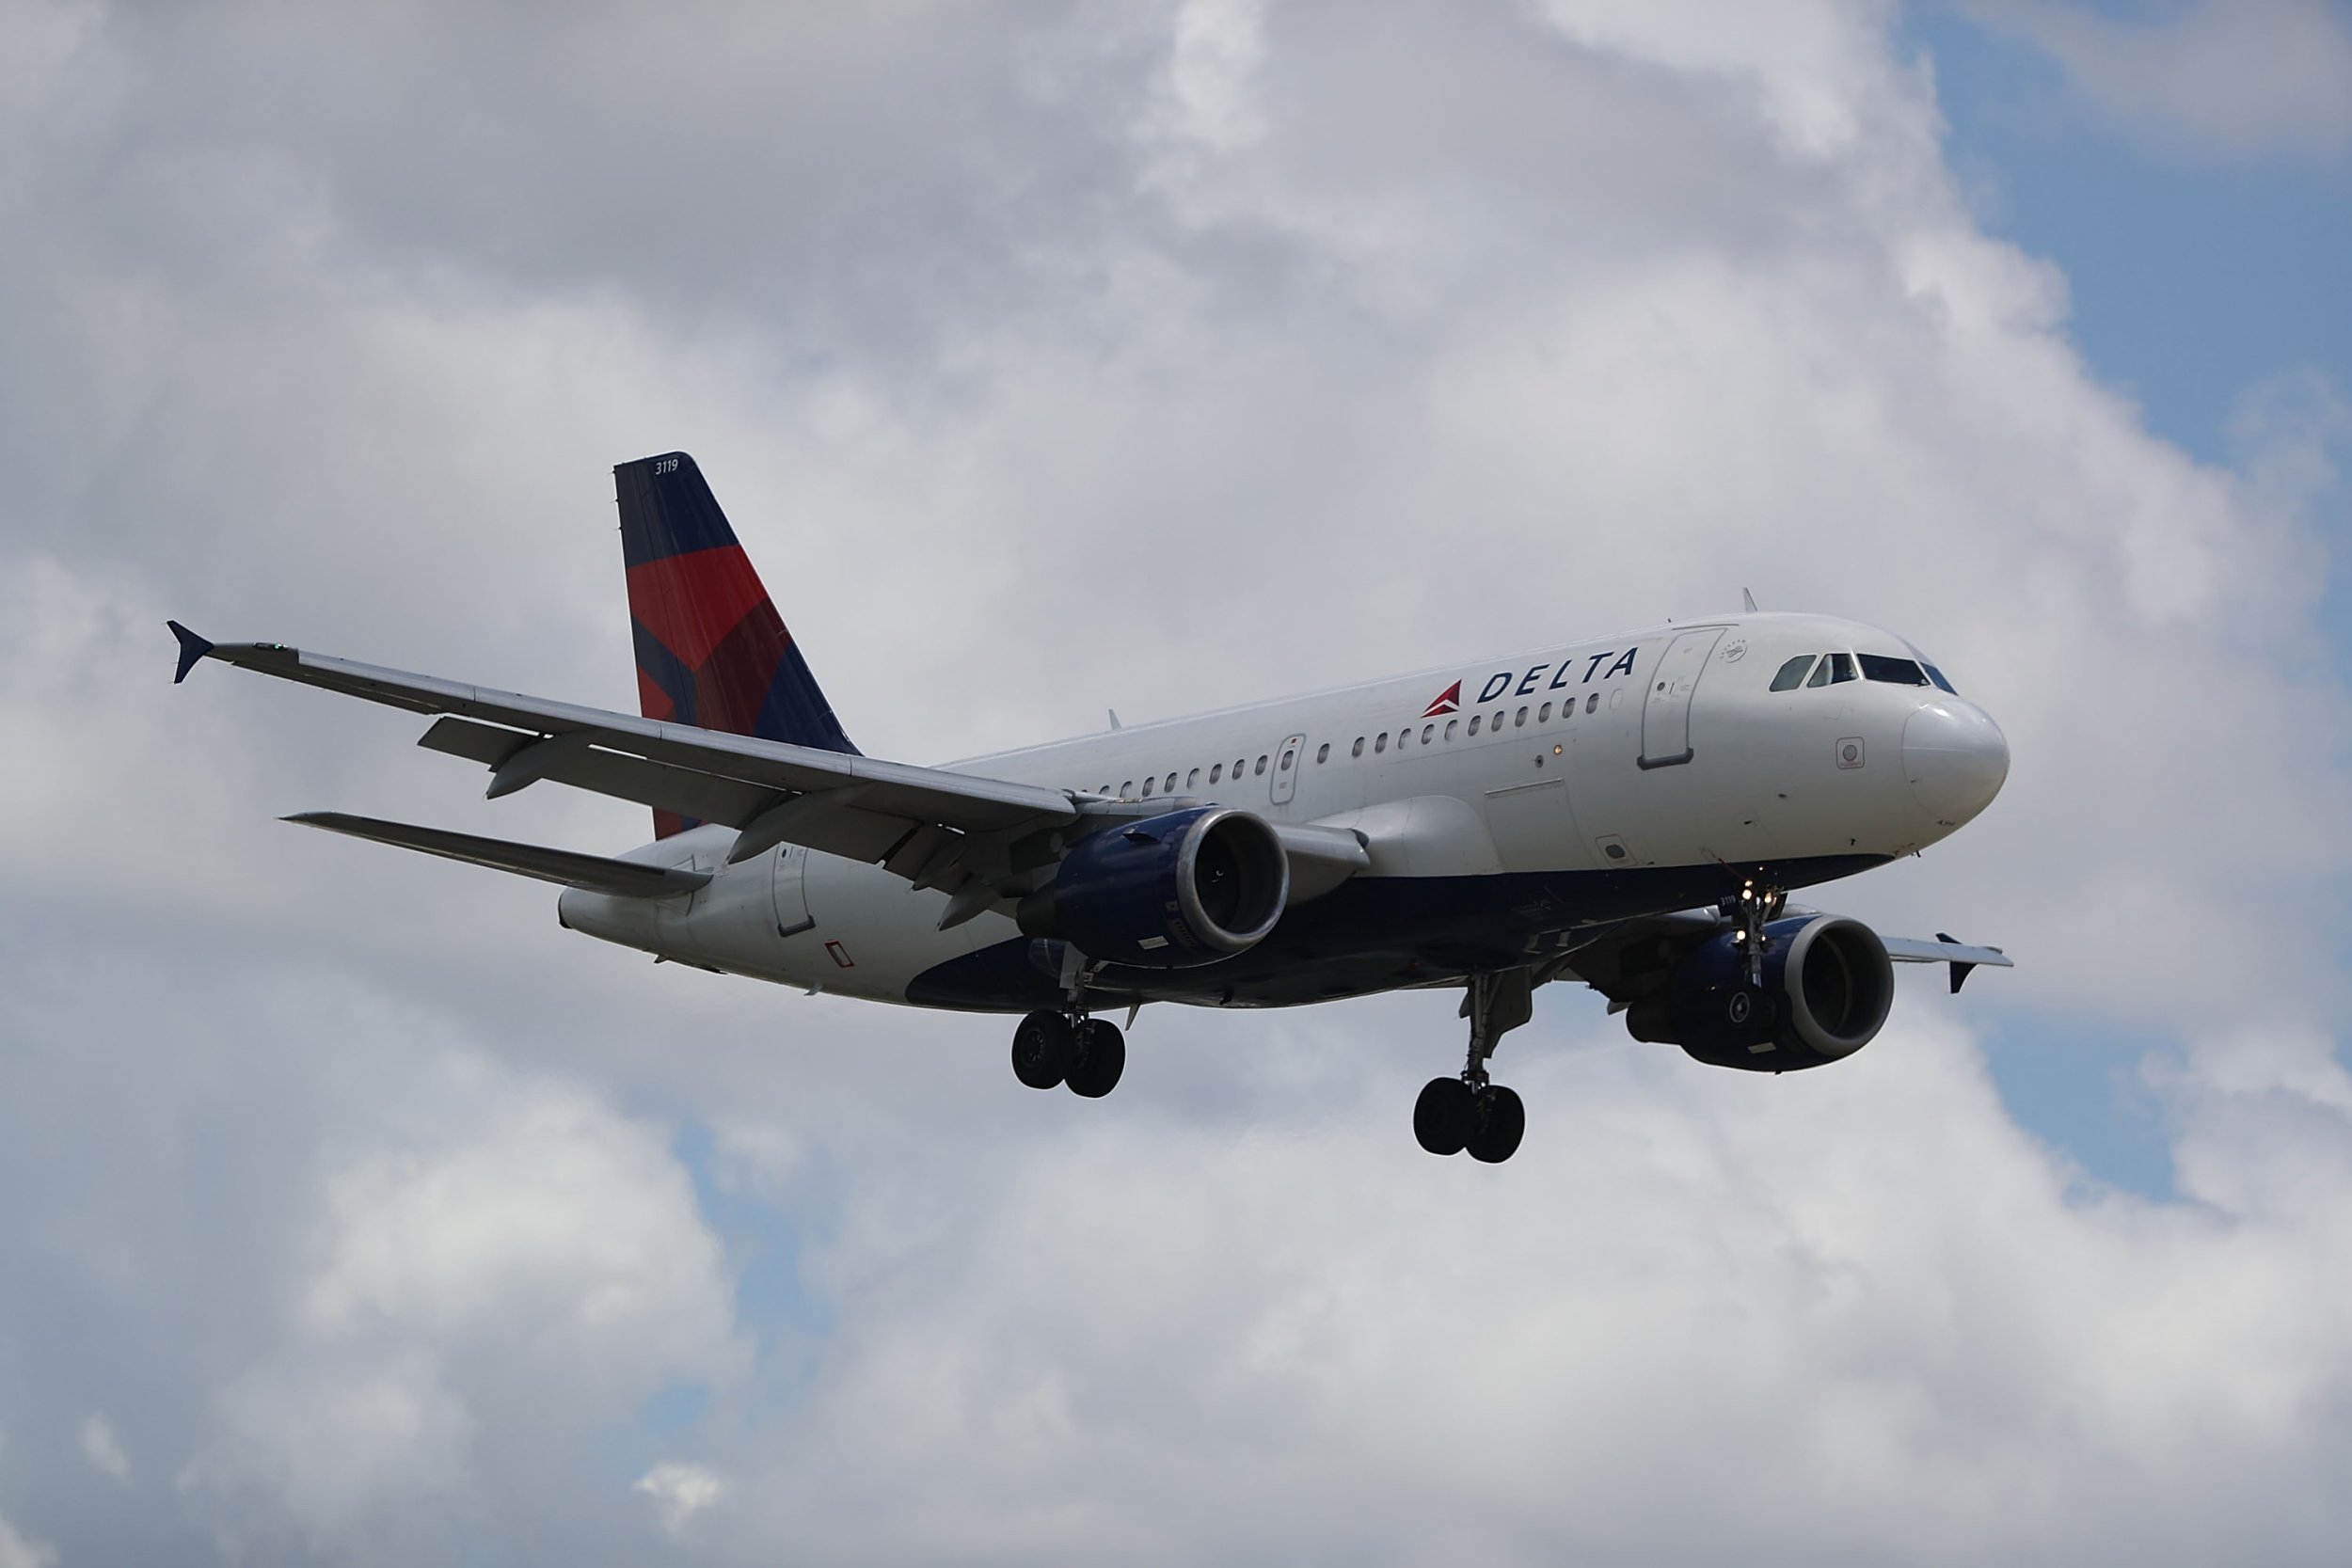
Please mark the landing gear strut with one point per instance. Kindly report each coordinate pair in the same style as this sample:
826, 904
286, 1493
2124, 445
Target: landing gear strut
1087, 1054
1754, 909
1470, 1112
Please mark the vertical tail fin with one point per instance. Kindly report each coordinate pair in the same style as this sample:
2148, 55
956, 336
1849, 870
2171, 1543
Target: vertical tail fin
711, 650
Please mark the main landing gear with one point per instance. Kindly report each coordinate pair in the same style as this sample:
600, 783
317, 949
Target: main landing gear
1087, 1054
1471, 1112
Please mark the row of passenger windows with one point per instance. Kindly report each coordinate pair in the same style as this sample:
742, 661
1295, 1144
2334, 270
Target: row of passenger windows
1427, 735
1830, 668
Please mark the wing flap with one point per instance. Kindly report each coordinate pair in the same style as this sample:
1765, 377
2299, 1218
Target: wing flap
834, 828
624, 879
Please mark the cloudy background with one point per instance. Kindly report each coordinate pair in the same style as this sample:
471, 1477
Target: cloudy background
1052, 357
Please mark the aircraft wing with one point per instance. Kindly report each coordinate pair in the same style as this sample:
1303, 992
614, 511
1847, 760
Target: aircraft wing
841, 803
976, 838
1621, 960
1944, 950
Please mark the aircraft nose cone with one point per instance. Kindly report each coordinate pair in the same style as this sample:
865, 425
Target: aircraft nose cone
1955, 759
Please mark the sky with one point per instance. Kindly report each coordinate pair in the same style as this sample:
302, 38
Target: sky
1057, 357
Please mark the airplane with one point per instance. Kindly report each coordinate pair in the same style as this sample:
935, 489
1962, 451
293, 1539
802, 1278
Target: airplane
1630, 812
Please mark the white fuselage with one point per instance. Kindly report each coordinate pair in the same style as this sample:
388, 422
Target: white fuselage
1609, 763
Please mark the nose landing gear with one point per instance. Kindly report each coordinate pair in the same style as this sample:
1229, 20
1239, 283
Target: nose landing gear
1469, 1112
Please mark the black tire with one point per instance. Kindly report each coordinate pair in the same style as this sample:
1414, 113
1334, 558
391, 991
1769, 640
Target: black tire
1501, 1126
1444, 1115
1101, 1057
1042, 1050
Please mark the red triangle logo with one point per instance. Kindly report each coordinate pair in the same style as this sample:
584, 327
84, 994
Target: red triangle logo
1449, 701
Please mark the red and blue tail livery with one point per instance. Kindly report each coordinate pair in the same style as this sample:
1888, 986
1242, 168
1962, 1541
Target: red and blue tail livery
711, 650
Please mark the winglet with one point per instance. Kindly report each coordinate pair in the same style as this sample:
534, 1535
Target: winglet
192, 648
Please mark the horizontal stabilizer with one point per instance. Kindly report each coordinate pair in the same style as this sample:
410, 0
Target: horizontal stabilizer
622, 879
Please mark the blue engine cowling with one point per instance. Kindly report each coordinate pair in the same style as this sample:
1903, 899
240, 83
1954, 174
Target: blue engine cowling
1827, 986
1169, 891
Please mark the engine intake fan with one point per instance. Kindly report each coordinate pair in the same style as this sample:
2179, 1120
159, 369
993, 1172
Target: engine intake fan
1827, 985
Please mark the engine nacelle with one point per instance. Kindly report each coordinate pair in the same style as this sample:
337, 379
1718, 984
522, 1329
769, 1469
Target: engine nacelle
1827, 986
1169, 891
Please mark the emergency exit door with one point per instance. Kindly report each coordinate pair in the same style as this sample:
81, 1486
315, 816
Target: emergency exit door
1286, 764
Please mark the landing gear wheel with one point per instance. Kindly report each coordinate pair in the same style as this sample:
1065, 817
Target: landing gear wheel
1100, 1057
1446, 1115
1503, 1123
1042, 1050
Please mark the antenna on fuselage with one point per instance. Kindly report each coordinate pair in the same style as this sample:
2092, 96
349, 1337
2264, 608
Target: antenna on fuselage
1114, 724
1747, 600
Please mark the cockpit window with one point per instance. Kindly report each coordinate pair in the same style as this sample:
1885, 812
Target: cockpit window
1937, 676
1792, 674
1894, 672
1835, 668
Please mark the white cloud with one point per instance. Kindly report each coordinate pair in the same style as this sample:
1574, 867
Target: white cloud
679, 1491
2213, 76
495, 1262
1815, 1316
100, 1448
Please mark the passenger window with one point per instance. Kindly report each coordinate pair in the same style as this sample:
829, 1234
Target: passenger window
1148, 784
1474, 718
1358, 749
1322, 753
1381, 744
1288, 758
1192, 779
1217, 772
1592, 702
1127, 790
1238, 766
1451, 726
1260, 768
1427, 732
1519, 719
1792, 674
1893, 671
1543, 715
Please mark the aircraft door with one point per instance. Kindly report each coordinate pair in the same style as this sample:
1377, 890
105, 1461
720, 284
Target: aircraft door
1667, 708
792, 916
1286, 769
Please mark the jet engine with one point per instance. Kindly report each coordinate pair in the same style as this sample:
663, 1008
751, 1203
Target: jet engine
1169, 891
1827, 984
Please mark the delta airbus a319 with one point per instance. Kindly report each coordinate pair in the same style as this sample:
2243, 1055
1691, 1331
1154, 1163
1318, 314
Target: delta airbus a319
1630, 812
